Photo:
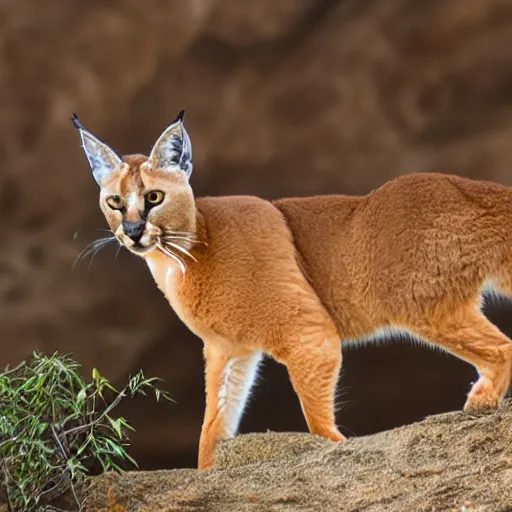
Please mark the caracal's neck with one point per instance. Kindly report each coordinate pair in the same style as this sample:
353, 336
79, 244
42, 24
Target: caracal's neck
166, 271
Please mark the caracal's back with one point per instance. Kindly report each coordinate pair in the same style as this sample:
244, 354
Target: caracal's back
421, 245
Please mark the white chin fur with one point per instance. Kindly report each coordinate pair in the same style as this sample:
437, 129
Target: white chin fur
142, 251
145, 246
146, 241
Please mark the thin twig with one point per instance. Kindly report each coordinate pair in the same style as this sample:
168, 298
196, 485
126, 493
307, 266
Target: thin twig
114, 404
15, 369
66, 458
62, 449
54, 487
6, 485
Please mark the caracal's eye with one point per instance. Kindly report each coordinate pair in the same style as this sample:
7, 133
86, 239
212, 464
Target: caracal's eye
116, 202
154, 197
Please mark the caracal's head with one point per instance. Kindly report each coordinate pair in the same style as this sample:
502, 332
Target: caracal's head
147, 201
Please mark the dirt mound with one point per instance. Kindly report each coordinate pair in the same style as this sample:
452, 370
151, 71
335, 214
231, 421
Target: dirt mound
450, 462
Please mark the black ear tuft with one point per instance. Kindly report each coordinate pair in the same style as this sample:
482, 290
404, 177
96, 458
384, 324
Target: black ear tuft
76, 122
180, 116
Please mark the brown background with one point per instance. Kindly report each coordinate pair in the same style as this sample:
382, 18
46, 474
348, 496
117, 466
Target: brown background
283, 97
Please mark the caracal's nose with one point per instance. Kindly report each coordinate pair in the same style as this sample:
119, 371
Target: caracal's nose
134, 229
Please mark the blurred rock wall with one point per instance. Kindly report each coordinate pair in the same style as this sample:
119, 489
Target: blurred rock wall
283, 97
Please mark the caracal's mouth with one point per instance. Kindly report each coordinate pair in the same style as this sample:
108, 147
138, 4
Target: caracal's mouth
147, 243
174, 244
141, 250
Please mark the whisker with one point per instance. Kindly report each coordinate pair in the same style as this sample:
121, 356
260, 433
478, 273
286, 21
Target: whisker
181, 233
86, 252
94, 246
92, 258
175, 257
103, 241
83, 254
181, 249
77, 232
186, 238
117, 253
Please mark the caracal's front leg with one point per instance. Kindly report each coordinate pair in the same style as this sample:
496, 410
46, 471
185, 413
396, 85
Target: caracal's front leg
228, 382
313, 365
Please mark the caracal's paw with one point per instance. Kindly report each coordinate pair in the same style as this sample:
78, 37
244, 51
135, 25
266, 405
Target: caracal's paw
482, 397
335, 435
481, 403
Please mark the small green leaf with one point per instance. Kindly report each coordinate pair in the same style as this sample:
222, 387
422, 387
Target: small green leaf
116, 425
81, 396
125, 424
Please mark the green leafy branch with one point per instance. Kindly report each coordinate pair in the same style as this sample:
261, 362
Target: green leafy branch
54, 426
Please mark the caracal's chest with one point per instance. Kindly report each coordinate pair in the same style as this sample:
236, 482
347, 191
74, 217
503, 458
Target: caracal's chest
170, 281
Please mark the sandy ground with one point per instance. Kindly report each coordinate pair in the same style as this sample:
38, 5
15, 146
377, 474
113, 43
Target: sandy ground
450, 462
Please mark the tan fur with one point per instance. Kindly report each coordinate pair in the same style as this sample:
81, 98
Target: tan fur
291, 278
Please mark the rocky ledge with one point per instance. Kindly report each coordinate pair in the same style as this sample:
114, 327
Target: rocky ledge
449, 462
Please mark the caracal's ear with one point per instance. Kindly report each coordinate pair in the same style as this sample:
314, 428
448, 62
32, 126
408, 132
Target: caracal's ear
102, 159
173, 150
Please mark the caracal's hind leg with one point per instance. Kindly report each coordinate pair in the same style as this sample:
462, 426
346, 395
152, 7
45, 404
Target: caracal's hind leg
228, 380
469, 335
314, 365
